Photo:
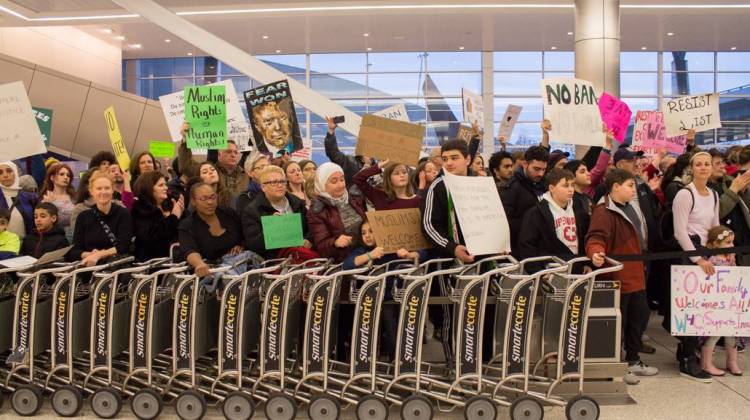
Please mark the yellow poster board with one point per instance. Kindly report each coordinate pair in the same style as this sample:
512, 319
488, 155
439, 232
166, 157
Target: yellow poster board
118, 146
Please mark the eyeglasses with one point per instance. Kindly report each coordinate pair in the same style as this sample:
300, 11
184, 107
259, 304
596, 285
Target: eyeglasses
204, 198
277, 183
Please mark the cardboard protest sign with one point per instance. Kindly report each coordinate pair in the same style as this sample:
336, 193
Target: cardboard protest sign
572, 108
19, 132
615, 114
282, 231
395, 112
115, 137
396, 229
715, 305
473, 107
162, 149
480, 213
649, 134
510, 118
206, 112
272, 117
44, 120
173, 107
699, 113
464, 133
396, 140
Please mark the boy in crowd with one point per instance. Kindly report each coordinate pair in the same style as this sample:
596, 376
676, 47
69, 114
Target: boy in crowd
10, 243
558, 224
617, 229
47, 236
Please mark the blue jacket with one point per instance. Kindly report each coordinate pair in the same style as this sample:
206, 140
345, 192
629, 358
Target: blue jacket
25, 203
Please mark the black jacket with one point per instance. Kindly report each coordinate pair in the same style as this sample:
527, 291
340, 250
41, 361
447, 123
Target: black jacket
537, 235
36, 244
435, 220
253, 228
348, 163
195, 237
518, 198
154, 233
89, 233
651, 210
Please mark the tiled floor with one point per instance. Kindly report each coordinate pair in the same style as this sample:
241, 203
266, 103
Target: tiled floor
667, 396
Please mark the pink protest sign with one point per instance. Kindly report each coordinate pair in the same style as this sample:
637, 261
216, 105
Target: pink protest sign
615, 114
650, 135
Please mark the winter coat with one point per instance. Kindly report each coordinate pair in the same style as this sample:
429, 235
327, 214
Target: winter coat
253, 228
518, 198
325, 224
154, 232
37, 244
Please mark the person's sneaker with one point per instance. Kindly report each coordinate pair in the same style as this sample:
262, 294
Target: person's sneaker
631, 379
647, 349
641, 369
690, 369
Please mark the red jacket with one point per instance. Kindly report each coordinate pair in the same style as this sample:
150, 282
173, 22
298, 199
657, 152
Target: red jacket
612, 232
325, 225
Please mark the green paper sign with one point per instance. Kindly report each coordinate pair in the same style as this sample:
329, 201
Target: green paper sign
44, 121
206, 112
282, 231
161, 149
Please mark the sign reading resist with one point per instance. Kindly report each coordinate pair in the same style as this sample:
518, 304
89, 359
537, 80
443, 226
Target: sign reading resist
480, 213
699, 113
572, 108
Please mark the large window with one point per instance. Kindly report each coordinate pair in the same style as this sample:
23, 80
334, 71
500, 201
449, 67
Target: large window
429, 84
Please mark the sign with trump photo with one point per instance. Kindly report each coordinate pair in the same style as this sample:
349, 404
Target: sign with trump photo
272, 118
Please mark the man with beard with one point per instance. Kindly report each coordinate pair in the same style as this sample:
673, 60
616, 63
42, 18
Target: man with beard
524, 190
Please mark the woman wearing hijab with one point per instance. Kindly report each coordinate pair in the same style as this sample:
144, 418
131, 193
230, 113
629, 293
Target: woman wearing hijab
21, 204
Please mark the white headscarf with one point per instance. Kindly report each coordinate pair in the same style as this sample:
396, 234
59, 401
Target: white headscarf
16, 223
321, 178
15, 186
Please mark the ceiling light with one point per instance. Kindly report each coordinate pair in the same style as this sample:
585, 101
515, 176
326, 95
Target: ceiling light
190, 53
460, 48
369, 49
135, 46
265, 36
167, 40
644, 48
570, 33
670, 33
553, 48
278, 51
120, 38
365, 34
107, 31
733, 48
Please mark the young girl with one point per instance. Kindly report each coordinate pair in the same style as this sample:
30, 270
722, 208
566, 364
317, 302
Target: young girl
720, 237
366, 252
48, 236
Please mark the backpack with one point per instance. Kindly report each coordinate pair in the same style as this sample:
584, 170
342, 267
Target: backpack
666, 223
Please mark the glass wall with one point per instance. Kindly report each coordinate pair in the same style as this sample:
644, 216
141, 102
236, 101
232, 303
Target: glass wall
429, 84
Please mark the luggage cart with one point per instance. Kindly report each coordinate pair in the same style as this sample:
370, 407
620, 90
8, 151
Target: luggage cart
570, 354
110, 323
281, 295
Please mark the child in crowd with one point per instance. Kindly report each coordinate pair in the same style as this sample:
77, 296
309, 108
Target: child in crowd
47, 236
616, 229
9, 241
720, 237
367, 252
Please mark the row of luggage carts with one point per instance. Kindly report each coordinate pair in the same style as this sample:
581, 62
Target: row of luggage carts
263, 334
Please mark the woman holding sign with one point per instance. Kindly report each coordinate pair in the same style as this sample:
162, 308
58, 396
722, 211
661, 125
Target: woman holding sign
397, 192
275, 201
210, 232
20, 203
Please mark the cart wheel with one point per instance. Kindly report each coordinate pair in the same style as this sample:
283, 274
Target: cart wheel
280, 407
323, 407
26, 400
106, 403
526, 408
190, 405
582, 408
146, 404
67, 401
480, 408
416, 407
238, 406
372, 408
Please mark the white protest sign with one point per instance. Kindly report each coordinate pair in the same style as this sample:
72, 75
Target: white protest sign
716, 305
473, 107
19, 133
480, 213
699, 113
509, 121
395, 112
173, 107
572, 108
